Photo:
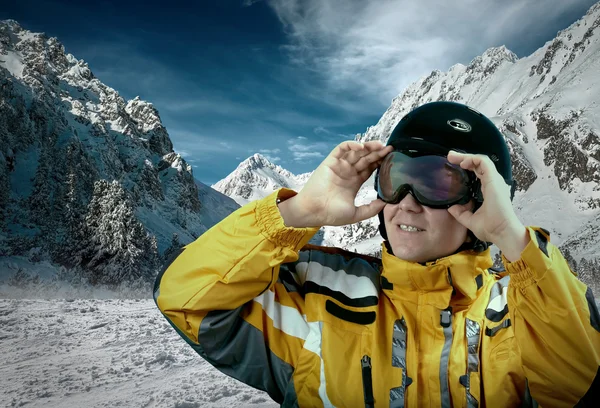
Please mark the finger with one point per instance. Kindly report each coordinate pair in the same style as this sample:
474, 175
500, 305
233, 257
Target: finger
480, 164
455, 157
354, 156
371, 151
368, 210
349, 145
366, 173
366, 160
462, 214
375, 145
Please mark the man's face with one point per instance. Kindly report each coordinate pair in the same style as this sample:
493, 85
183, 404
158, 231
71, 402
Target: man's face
442, 234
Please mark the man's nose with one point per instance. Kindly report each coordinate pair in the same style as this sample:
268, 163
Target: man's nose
409, 203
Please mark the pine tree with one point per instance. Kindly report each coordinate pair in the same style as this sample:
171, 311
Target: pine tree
39, 201
589, 273
20, 279
117, 246
569, 258
77, 191
594, 277
172, 249
4, 193
583, 271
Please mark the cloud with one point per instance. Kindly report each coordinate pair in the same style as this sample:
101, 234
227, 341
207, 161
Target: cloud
137, 73
301, 156
272, 159
321, 131
248, 3
220, 103
269, 154
302, 149
182, 153
378, 47
214, 104
193, 144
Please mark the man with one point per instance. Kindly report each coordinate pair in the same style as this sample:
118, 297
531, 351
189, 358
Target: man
430, 323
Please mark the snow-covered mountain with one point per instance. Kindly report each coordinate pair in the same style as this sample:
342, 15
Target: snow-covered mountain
548, 107
88, 179
256, 177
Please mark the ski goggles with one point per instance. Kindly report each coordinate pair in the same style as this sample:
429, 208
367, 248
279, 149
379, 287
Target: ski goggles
430, 178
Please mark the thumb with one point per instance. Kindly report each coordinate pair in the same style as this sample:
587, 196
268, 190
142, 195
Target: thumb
368, 210
462, 214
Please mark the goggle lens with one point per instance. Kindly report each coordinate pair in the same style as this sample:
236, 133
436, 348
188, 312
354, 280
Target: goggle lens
433, 180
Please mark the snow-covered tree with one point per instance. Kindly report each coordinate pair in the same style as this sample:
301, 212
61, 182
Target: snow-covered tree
43, 187
569, 258
172, 249
116, 246
588, 271
4, 189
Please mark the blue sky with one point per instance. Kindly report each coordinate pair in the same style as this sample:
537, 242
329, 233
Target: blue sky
286, 78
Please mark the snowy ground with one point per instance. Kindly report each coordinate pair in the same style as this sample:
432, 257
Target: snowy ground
106, 353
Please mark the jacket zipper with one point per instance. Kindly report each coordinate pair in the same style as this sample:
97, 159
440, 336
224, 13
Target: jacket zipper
365, 363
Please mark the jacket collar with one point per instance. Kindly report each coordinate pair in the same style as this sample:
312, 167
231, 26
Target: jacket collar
454, 279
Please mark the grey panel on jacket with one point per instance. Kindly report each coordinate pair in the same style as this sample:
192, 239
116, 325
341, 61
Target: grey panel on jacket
238, 349
444, 358
473, 333
399, 360
593, 308
496, 293
340, 264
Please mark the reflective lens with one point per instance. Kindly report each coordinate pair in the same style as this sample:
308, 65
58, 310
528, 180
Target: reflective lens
431, 178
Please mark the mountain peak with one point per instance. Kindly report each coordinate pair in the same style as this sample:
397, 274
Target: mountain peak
257, 161
13, 24
260, 158
143, 111
256, 177
491, 59
500, 53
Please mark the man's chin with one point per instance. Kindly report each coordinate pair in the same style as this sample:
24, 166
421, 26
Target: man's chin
408, 254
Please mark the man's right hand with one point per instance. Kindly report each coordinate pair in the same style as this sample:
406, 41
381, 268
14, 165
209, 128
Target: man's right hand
328, 196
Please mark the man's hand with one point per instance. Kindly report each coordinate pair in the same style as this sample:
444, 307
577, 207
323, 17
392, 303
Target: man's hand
328, 196
495, 221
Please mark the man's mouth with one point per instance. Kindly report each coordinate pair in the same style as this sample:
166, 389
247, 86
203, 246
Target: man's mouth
409, 228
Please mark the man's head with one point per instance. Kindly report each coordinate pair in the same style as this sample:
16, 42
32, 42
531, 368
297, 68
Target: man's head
419, 184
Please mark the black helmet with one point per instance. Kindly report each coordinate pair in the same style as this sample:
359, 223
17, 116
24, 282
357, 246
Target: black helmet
456, 126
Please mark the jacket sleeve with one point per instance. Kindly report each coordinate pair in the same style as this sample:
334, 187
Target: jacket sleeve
223, 295
556, 325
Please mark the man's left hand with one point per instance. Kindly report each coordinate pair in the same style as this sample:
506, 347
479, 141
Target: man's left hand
495, 221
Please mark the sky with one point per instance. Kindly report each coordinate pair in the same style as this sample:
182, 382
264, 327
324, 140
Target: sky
289, 79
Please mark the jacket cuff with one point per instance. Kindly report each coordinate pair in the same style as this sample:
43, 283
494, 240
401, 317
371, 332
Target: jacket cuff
271, 223
534, 261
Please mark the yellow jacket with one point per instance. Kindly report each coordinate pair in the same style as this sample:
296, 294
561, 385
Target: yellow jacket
316, 326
